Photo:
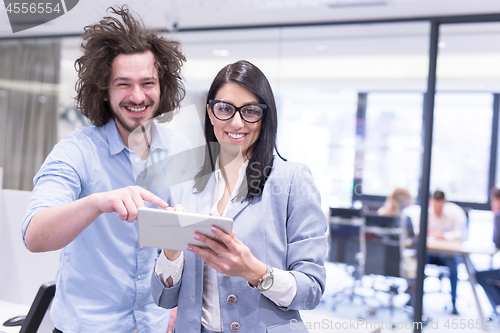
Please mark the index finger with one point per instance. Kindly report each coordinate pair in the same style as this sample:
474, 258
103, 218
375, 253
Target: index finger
150, 197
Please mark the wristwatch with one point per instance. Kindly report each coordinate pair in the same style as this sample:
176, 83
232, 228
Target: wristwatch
265, 282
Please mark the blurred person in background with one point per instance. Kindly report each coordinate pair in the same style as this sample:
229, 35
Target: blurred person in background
446, 221
490, 280
395, 205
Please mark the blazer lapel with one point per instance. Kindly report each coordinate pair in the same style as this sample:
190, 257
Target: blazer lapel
236, 208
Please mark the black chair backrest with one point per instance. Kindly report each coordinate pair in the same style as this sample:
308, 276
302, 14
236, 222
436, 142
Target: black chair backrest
345, 212
382, 221
38, 308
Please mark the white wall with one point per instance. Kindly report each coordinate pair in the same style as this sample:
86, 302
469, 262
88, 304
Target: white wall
21, 272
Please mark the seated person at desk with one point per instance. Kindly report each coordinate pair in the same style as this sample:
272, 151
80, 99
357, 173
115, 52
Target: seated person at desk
396, 202
394, 205
490, 280
446, 221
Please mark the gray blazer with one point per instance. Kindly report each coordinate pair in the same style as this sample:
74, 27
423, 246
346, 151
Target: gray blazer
284, 227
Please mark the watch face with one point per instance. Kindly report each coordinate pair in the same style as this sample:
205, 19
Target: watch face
267, 283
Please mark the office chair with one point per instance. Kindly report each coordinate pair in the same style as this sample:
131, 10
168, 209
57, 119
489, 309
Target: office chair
386, 244
348, 246
490, 281
38, 308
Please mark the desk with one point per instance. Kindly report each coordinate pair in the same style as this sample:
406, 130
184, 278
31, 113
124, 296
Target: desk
9, 310
463, 249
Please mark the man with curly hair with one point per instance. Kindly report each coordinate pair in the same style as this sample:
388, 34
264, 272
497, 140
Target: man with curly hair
88, 188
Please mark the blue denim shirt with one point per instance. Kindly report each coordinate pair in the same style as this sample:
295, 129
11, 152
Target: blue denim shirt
104, 277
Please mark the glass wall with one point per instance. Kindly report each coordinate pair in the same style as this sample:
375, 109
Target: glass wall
467, 76
460, 166
322, 71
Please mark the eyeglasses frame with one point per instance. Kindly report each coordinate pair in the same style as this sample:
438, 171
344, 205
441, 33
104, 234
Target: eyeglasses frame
212, 102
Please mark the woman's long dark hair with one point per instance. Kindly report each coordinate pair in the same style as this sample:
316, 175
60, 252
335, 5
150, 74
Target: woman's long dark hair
259, 167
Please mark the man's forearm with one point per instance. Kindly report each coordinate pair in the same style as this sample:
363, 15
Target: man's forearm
53, 228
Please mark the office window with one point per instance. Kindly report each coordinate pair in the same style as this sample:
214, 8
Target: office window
29, 75
317, 127
461, 145
467, 75
321, 72
392, 147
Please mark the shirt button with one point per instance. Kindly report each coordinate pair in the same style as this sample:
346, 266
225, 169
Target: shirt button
142, 246
231, 299
139, 277
235, 327
136, 306
137, 159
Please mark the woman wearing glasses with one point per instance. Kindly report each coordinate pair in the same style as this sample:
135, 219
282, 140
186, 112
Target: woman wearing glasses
257, 278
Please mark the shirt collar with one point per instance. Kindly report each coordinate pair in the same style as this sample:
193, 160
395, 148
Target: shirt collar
115, 141
159, 139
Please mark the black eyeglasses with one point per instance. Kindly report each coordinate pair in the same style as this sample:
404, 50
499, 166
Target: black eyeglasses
251, 113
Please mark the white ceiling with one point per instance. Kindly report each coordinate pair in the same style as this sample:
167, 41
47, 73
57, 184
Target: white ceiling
188, 14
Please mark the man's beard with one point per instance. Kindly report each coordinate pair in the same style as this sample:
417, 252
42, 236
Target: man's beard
119, 117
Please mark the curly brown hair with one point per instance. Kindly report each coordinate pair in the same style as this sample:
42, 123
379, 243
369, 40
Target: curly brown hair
110, 37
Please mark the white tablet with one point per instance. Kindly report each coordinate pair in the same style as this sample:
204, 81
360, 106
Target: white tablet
172, 230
